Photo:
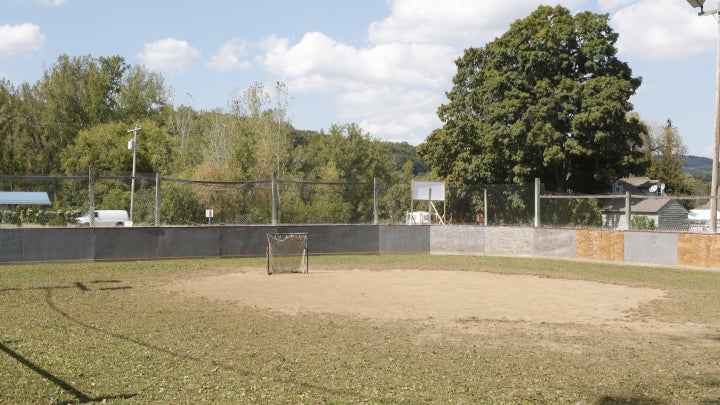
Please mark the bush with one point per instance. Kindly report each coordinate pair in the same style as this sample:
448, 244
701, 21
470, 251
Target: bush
641, 222
57, 221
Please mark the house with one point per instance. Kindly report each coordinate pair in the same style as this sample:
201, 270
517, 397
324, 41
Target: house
647, 199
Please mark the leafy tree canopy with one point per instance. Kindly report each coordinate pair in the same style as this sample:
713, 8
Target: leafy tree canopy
548, 99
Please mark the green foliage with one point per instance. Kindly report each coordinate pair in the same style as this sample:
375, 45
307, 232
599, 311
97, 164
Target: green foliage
75, 94
347, 154
179, 205
586, 213
32, 215
548, 99
105, 148
668, 161
77, 118
642, 222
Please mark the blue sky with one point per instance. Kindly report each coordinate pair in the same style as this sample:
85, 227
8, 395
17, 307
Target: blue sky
383, 64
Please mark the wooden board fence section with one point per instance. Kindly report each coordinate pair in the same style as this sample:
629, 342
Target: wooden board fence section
600, 245
699, 250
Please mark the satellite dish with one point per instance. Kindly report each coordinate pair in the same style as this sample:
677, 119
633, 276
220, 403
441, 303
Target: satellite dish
653, 188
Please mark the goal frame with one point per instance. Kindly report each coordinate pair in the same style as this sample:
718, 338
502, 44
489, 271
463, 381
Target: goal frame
304, 262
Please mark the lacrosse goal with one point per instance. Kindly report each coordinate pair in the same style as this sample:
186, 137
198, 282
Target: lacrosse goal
287, 253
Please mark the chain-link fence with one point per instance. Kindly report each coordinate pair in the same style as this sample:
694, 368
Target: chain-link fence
532, 205
161, 200
158, 200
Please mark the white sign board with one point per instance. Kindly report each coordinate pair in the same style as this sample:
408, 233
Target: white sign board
209, 213
428, 190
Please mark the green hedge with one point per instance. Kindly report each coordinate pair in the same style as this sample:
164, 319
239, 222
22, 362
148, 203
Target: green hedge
39, 216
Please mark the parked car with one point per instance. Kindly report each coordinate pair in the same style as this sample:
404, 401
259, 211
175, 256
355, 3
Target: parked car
104, 218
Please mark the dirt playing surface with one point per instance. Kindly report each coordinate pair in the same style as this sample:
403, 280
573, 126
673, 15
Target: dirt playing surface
441, 296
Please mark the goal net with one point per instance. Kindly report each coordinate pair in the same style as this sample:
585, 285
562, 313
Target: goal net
287, 253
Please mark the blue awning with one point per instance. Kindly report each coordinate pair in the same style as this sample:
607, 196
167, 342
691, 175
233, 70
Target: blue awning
24, 198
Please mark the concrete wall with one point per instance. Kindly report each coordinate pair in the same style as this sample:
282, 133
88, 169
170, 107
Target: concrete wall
87, 244
80, 244
654, 248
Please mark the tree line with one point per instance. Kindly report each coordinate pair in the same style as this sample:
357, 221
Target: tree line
77, 116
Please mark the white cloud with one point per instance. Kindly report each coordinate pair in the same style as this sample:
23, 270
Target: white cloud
21, 38
462, 23
663, 30
229, 57
168, 55
318, 62
397, 112
609, 5
52, 2
391, 89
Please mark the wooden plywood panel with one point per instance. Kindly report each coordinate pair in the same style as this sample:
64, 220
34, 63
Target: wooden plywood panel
600, 245
699, 250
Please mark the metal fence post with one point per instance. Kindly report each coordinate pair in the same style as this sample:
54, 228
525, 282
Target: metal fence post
485, 207
537, 202
375, 202
91, 196
157, 199
627, 209
273, 188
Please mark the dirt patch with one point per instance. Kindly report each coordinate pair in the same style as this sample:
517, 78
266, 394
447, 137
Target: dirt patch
443, 296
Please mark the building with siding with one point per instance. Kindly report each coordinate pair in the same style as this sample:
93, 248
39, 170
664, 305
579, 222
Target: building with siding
647, 199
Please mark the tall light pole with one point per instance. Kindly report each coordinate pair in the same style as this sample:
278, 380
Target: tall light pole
714, 182
132, 144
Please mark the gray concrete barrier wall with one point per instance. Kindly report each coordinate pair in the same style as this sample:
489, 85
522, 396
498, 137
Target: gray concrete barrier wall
404, 239
86, 244
336, 239
11, 245
236, 241
62, 244
651, 248
457, 240
554, 243
80, 244
506, 241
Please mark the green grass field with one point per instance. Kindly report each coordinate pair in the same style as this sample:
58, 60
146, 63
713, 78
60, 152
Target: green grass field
104, 332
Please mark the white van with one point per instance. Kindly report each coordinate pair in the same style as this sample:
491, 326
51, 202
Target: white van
104, 218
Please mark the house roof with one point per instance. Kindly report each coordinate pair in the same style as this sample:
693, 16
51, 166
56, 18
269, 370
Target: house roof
639, 205
24, 197
640, 182
636, 185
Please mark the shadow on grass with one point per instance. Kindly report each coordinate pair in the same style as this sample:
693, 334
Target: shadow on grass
630, 400
84, 398
80, 396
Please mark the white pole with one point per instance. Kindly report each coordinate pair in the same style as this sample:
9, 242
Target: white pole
714, 182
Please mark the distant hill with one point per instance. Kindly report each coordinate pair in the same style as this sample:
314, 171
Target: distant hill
698, 166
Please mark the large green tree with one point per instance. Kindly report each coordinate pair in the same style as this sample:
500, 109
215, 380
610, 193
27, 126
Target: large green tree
548, 99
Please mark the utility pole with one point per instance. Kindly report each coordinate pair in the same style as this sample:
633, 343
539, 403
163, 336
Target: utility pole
133, 145
716, 143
